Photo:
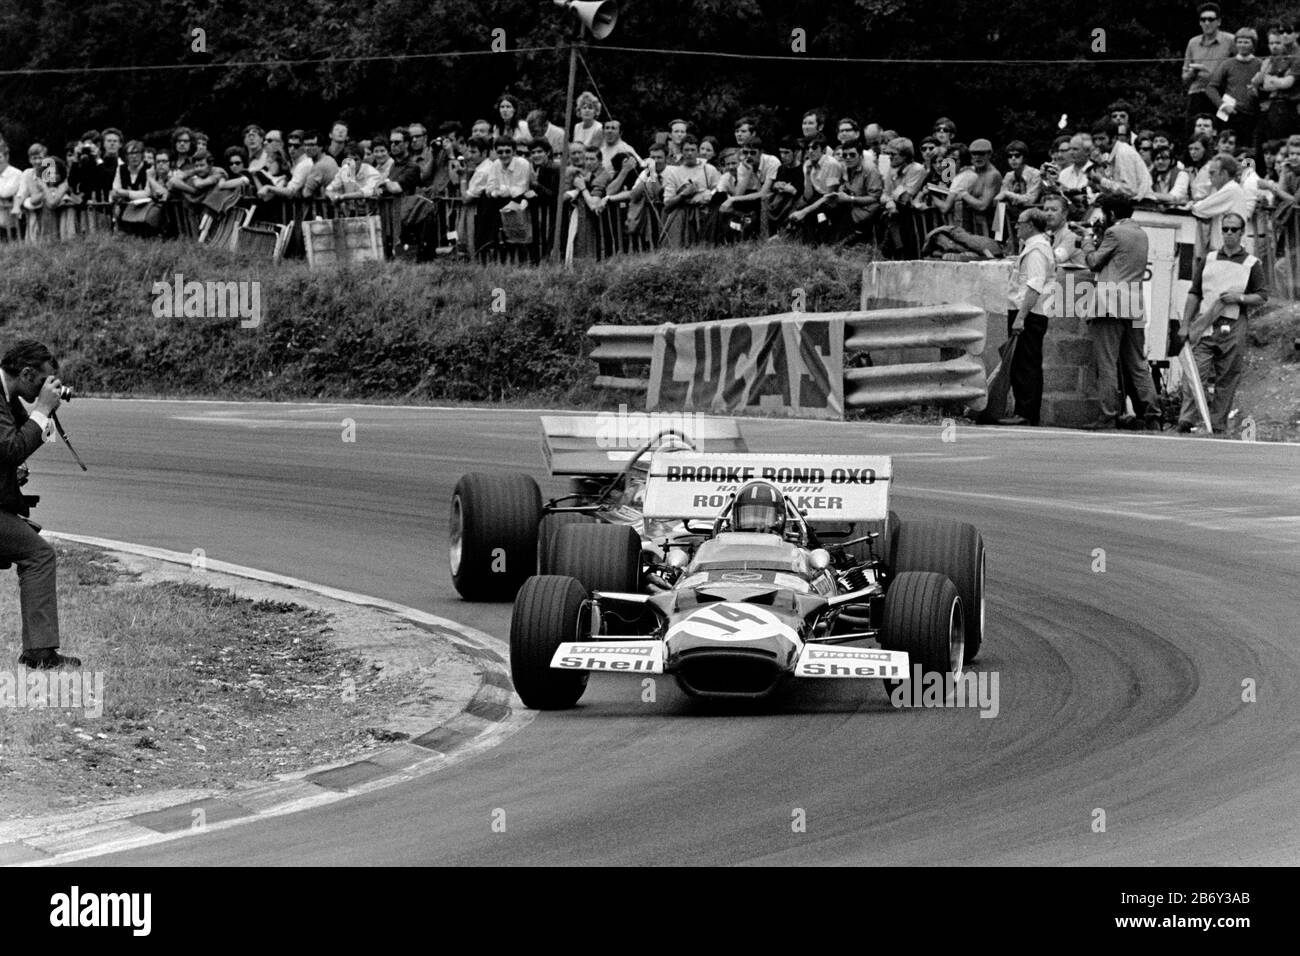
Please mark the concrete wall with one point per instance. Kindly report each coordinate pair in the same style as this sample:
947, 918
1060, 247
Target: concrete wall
1067, 353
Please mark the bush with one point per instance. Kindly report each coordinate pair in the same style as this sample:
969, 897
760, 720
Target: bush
383, 330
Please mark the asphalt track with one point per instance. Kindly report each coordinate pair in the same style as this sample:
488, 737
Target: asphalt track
1120, 691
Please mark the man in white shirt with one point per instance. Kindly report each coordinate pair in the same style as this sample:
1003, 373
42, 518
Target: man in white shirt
614, 144
1129, 176
1074, 178
1227, 197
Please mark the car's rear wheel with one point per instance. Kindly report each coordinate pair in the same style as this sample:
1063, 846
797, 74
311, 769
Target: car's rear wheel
548, 534
493, 534
548, 612
604, 557
956, 550
924, 617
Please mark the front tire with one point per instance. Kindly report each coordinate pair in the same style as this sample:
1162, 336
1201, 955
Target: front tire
493, 534
548, 612
924, 617
956, 550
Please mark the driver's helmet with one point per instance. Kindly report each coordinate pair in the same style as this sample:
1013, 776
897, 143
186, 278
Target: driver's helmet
759, 506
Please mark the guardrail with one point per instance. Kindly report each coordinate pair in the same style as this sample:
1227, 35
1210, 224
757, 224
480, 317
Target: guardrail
624, 353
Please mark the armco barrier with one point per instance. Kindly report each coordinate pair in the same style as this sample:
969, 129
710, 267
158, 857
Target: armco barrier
1067, 351
623, 354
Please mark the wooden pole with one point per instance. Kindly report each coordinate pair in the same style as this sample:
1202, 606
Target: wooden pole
557, 244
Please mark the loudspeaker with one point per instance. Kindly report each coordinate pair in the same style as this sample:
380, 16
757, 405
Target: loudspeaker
599, 16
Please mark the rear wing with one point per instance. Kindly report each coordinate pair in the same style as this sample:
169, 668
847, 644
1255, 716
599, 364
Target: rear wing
686, 485
603, 444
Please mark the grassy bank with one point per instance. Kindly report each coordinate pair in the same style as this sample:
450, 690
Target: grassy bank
384, 331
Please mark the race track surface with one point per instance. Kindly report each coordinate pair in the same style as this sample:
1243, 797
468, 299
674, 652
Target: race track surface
1119, 691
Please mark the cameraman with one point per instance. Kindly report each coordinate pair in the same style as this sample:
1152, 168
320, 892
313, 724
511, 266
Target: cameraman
28, 371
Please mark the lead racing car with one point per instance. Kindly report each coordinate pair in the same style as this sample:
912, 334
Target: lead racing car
751, 574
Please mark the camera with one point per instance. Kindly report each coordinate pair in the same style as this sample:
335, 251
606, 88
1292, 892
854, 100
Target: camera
66, 393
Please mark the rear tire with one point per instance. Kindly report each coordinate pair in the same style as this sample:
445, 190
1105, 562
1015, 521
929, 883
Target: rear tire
955, 550
494, 521
549, 532
548, 612
603, 557
924, 616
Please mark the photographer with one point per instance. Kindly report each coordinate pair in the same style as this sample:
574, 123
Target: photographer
28, 372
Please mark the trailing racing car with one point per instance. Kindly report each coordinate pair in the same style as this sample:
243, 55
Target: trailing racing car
747, 592
501, 533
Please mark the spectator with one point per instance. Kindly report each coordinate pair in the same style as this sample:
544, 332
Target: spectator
510, 176
48, 206
355, 179
382, 160
588, 130
944, 132
403, 172
182, 153
471, 172
1121, 114
1199, 154
338, 143
858, 205
1074, 179
274, 171
1022, 184
1226, 144
614, 145
1169, 183
1117, 328
1275, 84
1226, 197
111, 140
1146, 149
1204, 54
746, 132
482, 129
200, 140
200, 179
541, 127
545, 180
1129, 175
710, 150
822, 175
323, 168
751, 189
1035, 269
1225, 286
510, 119
423, 155
85, 177
237, 174
255, 145
787, 186
902, 185
812, 124
978, 196
1229, 87
1060, 232
142, 215
643, 221
687, 189
1160, 140
11, 181
160, 174
588, 197
1204, 126
677, 130
31, 177
848, 131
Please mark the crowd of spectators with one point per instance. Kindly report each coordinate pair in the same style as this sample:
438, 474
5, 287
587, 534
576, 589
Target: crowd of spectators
493, 190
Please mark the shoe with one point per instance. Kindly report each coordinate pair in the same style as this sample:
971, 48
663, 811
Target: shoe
1015, 420
1184, 428
47, 658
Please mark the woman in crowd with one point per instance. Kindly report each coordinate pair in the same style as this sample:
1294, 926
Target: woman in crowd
51, 207
588, 131
140, 215
1199, 153
356, 179
710, 151
510, 120
1169, 182
237, 173
588, 197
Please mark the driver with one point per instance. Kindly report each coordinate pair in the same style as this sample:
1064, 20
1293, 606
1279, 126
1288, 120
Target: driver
759, 507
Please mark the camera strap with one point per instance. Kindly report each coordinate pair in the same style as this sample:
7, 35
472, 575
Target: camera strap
58, 427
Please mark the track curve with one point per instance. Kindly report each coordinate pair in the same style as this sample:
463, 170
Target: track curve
1120, 690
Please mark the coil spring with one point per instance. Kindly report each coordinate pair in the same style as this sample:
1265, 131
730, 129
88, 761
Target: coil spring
854, 579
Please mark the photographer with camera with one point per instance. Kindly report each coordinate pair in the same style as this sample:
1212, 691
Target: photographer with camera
28, 371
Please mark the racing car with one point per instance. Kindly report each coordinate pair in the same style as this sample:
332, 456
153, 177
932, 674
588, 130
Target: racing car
501, 533
736, 590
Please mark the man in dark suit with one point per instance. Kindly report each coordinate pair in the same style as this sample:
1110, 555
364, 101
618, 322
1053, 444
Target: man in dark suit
28, 371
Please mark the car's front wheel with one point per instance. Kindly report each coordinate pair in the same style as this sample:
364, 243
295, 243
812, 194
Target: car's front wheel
924, 616
548, 612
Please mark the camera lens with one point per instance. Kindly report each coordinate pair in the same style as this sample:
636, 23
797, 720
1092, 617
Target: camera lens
66, 393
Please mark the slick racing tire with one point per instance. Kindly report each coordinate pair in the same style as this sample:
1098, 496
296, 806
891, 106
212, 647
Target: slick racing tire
548, 612
604, 557
924, 617
493, 534
953, 549
549, 532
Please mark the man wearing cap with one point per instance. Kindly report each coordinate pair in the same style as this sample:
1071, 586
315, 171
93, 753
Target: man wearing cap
979, 198
1204, 54
1228, 283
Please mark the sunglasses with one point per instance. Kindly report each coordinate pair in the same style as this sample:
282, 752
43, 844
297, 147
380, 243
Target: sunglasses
184, 139
397, 142
1015, 155
1230, 228
1208, 19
